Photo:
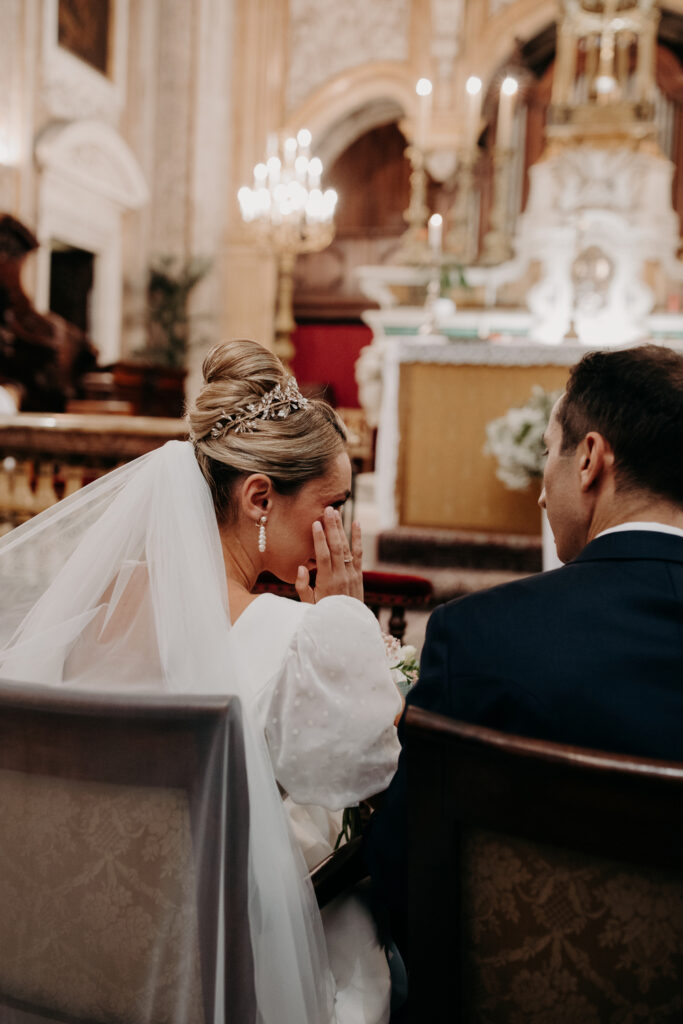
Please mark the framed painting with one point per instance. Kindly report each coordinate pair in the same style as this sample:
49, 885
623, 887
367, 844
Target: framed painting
84, 57
84, 29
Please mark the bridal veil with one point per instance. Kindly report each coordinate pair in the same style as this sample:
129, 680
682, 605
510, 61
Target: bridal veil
122, 585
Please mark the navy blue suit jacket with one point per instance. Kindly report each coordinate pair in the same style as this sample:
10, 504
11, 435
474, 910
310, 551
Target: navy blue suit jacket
590, 654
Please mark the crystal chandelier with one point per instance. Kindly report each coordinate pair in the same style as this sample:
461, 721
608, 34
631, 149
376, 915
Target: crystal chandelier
289, 214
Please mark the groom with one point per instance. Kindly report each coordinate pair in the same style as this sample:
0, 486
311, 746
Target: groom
592, 653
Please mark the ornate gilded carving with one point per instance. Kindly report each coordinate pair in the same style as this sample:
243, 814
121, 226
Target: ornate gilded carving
328, 38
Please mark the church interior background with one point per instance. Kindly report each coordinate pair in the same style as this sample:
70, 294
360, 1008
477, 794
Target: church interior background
549, 145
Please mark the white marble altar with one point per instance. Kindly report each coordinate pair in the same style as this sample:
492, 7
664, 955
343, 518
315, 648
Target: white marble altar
600, 237
596, 218
494, 324
394, 352
384, 360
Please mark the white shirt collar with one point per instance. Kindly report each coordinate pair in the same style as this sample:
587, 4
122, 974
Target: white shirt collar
652, 527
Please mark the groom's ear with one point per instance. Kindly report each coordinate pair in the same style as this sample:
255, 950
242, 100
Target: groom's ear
595, 460
256, 496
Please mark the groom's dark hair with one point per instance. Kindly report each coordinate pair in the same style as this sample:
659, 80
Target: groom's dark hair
634, 398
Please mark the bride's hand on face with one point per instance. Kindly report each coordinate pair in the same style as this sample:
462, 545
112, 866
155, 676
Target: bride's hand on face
339, 568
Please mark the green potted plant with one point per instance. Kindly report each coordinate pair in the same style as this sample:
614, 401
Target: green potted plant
154, 380
170, 282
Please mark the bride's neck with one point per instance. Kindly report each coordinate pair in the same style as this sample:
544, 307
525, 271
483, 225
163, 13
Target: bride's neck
241, 571
240, 564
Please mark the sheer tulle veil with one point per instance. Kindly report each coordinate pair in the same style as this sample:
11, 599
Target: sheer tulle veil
123, 585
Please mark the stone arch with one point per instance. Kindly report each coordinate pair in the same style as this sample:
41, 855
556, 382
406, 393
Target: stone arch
354, 102
523, 19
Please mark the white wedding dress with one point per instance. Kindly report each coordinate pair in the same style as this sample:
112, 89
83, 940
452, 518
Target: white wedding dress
122, 586
326, 707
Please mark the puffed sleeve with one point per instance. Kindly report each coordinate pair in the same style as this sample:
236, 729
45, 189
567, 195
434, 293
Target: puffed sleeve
330, 720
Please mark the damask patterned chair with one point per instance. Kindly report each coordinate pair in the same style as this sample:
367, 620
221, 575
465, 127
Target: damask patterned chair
111, 854
546, 882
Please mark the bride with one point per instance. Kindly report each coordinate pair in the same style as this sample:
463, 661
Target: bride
144, 580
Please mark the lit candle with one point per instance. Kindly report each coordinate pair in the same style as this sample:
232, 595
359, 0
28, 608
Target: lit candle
290, 148
300, 168
273, 167
314, 205
434, 232
329, 203
303, 137
315, 170
245, 198
424, 112
506, 106
260, 175
472, 110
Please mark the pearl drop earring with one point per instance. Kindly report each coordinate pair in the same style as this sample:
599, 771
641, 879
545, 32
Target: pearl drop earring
262, 533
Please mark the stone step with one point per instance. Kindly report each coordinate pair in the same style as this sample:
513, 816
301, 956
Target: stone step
459, 549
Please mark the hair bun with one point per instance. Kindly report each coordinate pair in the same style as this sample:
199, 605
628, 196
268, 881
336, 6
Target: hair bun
236, 374
293, 442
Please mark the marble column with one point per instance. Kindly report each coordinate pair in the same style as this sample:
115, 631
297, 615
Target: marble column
249, 274
19, 52
178, 122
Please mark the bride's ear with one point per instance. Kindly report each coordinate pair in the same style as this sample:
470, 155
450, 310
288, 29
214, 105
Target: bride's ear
256, 496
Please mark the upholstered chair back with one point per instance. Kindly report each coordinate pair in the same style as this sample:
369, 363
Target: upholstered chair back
112, 859
546, 882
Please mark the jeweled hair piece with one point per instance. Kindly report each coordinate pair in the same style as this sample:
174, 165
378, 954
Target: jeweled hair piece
277, 404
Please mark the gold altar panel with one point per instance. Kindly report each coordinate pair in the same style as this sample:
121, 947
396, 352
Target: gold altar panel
444, 478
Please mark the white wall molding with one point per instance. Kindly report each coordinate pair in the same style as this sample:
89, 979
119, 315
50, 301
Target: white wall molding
92, 155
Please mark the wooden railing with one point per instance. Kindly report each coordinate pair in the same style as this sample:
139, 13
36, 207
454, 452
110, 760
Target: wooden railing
46, 457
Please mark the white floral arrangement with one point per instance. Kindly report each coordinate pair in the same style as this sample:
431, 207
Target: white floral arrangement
403, 663
516, 439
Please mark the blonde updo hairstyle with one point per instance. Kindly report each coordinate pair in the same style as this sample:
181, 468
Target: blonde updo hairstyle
289, 451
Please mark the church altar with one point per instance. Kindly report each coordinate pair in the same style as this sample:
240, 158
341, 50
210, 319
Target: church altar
437, 395
588, 259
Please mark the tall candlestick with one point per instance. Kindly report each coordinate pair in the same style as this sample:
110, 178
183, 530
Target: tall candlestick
260, 175
290, 147
424, 112
273, 168
472, 110
434, 232
506, 106
303, 138
315, 169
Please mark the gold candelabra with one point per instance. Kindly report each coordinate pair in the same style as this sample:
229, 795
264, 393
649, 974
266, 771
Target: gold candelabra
413, 248
417, 244
460, 240
288, 213
497, 246
599, 99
